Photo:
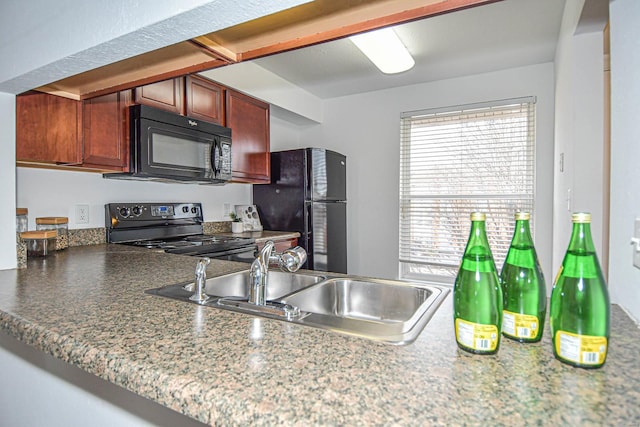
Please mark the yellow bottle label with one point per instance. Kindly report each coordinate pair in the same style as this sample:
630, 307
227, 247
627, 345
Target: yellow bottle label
476, 336
583, 349
519, 325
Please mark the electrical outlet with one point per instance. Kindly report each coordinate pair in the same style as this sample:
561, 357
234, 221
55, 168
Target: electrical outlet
635, 241
227, 209
82, 214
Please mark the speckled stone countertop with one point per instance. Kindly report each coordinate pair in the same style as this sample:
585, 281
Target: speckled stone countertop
86, 306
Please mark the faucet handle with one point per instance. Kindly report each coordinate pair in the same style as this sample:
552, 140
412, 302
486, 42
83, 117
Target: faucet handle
292, 259
201, 267
201, 277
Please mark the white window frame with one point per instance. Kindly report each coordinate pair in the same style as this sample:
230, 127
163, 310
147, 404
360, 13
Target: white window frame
436, 198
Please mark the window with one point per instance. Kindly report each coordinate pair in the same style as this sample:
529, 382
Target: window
457, 160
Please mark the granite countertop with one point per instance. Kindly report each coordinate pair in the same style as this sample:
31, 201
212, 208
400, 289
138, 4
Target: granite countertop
86, 306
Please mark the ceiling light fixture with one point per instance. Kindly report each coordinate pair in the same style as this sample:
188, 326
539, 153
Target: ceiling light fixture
385, 50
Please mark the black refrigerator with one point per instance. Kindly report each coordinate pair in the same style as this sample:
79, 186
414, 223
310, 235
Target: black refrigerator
308, 194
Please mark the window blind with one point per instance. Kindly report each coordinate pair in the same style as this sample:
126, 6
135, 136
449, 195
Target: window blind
454, 161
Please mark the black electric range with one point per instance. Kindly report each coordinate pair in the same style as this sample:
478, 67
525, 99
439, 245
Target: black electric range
174, 228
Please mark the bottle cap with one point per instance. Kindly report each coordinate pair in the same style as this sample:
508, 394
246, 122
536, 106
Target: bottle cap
52, 220
581, 217
523, 216
478, 216
29, 235
22, 211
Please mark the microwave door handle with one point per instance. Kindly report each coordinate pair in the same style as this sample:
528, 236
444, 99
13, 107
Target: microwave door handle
219, 162
215, 159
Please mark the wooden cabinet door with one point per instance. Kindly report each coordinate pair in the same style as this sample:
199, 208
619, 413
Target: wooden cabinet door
167, 95
248, 119
48, 129
106, 131
204, 99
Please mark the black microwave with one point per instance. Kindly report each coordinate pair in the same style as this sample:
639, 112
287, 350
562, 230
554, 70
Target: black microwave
172, 148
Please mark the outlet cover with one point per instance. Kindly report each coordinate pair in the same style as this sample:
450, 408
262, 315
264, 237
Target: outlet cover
636, 243
82, 214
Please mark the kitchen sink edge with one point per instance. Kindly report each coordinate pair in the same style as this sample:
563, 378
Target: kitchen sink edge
346, 312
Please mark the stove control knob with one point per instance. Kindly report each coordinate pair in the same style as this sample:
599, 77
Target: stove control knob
136, 210
194, 210
185, 209
124, 212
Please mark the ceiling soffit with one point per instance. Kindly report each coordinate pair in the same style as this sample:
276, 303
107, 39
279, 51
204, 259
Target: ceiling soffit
304, 25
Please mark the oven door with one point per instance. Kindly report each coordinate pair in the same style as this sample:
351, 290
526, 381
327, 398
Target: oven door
245, 254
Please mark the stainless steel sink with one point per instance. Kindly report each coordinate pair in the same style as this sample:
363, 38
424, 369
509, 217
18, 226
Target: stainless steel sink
384, 310
390, 311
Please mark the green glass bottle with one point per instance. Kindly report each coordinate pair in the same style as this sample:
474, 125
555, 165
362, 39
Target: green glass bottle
579, 311
477, 296
523, 287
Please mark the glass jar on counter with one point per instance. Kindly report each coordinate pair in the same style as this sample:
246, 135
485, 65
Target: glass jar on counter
39, 243
22, 219
59, 224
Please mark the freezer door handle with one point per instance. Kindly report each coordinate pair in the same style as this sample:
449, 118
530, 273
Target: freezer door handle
307, 235
308, 217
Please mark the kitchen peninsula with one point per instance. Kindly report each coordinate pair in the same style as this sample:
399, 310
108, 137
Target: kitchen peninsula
86, 307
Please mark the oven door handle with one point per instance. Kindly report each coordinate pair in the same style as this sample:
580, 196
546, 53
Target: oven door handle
217, 254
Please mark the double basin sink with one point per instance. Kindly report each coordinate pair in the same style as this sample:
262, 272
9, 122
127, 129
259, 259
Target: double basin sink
390, 311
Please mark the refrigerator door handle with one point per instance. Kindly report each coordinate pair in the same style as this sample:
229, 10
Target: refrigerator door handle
308, 217
307, 236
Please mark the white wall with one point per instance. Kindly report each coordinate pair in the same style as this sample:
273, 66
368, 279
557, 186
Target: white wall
366, 128
624, 279
579, 135
55, 193
285, 135
579, 132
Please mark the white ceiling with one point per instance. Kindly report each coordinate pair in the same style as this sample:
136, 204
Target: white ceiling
506, 34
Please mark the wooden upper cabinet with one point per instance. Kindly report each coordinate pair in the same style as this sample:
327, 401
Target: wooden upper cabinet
167, 95
106, 131
94, 133
204, 99
48, 129
248, 119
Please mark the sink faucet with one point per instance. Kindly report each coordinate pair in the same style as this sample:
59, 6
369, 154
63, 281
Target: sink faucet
290, 260
201, 278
